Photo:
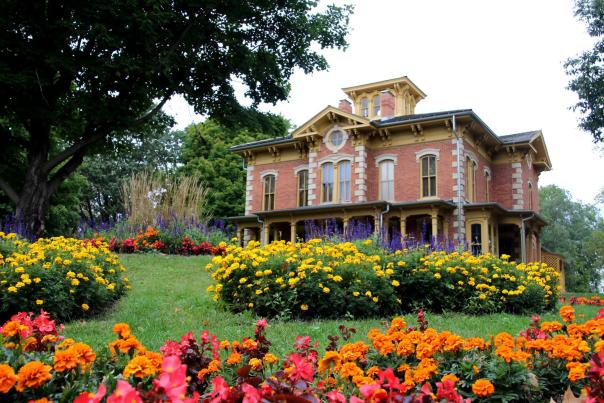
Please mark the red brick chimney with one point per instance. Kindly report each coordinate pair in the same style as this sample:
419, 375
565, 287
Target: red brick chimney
345, 105
386, 104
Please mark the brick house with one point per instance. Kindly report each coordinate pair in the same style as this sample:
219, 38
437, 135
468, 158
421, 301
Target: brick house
443, 175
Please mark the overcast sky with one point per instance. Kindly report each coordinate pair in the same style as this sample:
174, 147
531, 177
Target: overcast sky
503, 59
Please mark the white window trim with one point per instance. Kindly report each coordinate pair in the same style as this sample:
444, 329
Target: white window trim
336, 159
487, 170
269, 172
300, 168
327, 136
427, 151
386, 157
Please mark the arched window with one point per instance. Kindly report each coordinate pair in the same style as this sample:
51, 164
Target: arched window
428, 172
327, 182
365, 107
530, 196
269, 193
344, 179
470, 179
387, 180
376, 105
303, 188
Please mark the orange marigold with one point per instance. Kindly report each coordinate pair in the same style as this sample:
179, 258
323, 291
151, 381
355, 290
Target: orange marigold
122, 330
85, 354
483, 388
449, 377
576, 370
234, 359
65, 360
140, 366
7, 378
350, 369
256, 363
550, 327
331, 358
567, 313
32, 375
12, 328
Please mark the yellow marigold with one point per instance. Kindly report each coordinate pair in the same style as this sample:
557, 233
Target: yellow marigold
256, 363
85, 307
304, 307
65, 360
234, 359
331, 358
7, 378
224, 345
270, 358
140, 366
32, 375
567, 313
483, 388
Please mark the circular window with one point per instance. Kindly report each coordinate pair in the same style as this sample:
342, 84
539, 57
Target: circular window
336, 138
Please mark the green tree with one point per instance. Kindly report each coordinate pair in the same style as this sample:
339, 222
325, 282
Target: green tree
575, 230
84, 72
586, 70
206, 153
155, 151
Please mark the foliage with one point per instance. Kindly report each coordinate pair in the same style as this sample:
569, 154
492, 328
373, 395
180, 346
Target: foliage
576, 231
76, 75
321, 279
206, 153
586, 70
156, 150
398, 361
67, 277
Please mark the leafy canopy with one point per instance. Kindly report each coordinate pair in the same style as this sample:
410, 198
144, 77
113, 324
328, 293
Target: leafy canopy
587, 70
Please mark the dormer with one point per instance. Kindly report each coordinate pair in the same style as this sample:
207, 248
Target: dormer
388, 98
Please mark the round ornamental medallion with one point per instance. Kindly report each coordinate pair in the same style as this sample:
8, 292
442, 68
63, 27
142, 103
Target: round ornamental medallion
335, 139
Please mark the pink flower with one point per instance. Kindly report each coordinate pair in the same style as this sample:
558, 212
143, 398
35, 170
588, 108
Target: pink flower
169, 348
251, 394
173, 379
124, 393
336, 397
221, 390
88, 397
392, 382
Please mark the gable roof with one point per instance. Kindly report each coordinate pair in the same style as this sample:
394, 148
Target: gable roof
323, 114
524, 137
262, 143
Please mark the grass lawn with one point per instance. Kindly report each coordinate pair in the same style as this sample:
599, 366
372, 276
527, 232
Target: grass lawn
169, 298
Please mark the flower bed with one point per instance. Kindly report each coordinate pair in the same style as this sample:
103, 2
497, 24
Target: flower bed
397, 363
154, 240
594, 300
69, 278
333, 280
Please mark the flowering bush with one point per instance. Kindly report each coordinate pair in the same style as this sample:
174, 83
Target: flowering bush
398, 363
323, 279
67, 277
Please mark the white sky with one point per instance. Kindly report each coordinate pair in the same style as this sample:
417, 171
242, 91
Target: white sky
503, 59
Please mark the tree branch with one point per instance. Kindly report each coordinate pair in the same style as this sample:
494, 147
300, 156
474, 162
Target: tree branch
153, 111
70, 151
10, 192
74, 162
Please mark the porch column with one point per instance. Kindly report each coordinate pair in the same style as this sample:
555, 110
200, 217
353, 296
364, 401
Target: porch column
446, 227
376, 224
265, 234
276, 234
434, 216
345, 225
240, 235
292, 231
484, 229
403, 225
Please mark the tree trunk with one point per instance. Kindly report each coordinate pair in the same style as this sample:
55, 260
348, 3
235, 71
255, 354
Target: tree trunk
34, 198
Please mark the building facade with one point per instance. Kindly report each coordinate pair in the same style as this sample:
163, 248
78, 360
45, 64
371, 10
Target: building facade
443, 175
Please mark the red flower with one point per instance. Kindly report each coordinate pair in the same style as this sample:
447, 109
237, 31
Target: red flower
251, 394
124, 393
301, 369
89, 397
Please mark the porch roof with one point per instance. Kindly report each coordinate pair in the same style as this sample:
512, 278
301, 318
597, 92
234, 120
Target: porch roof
504, 211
